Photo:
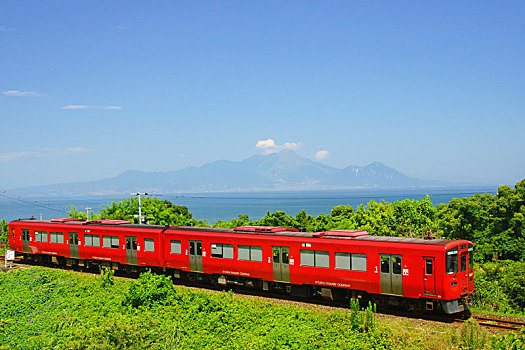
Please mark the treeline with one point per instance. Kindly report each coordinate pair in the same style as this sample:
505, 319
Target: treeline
495, 223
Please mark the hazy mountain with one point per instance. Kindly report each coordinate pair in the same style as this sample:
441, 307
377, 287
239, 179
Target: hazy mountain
285, 170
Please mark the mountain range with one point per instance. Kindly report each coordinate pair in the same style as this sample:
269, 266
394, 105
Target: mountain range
285, 170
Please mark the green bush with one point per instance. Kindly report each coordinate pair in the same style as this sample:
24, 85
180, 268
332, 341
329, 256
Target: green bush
150, 289
472, 337
106, 277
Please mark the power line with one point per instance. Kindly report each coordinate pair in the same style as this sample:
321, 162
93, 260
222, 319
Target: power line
32, 203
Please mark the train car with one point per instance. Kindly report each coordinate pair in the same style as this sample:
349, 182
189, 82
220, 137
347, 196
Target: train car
414, 273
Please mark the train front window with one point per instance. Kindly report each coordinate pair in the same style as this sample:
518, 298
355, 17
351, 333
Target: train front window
452, 260
470, 257
463, 263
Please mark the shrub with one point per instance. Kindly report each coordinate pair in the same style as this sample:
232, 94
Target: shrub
472, 336
106, 277
149, 289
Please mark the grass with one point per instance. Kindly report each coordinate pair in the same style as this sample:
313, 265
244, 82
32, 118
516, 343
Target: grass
55, 309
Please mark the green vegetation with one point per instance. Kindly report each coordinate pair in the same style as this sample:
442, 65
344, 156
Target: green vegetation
44, 308
157, 212
47, 308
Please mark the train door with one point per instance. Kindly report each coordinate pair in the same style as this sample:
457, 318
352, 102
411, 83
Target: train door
463, 272
429, 276
25, 241
470, 267
196, 256
281, 264
131, 250
73, 245
391, 277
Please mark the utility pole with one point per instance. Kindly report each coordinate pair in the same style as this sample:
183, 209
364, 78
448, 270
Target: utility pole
87, 213
139, 194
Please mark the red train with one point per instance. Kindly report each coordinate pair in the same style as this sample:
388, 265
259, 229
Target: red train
416, 273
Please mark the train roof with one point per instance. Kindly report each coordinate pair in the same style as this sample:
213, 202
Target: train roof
252, 230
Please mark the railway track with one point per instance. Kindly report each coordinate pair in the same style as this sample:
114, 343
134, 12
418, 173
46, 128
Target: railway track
486, 321
498, 323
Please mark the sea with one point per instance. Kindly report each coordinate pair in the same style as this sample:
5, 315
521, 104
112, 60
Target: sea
226, 206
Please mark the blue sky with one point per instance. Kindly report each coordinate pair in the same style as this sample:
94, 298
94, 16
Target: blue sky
91, 89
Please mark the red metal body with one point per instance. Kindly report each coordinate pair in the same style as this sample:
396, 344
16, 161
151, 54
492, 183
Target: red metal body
412, 268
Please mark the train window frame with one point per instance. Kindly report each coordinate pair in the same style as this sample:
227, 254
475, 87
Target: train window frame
397, 265
463, 262
385, 268
222, 250
343, 261
149, 245
359, 262
175, 247
111, 242
39, 235
25, 232
249, 253
321, 258
56, 237
470, 256
429, 263
452, 261
89, 240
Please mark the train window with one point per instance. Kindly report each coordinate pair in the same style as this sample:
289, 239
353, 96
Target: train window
463, 246
315, 258
470, 257
396, 265
110, 242
463, 263
276, 258
342, 261
284, 255
224, 251
40, 236
56, 237
25, 235
149, 245
199, 249
429, 268
250, 253
452, 260
322, 259
243, 252
256, 253
385, 264
192, 248
92, 240
175, 247
13, 233
359, 262
73, 238
307, 257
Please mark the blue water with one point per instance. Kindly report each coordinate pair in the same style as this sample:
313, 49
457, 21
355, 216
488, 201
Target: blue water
226, 206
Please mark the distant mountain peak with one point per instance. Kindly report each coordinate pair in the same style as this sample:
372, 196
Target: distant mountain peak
284, 170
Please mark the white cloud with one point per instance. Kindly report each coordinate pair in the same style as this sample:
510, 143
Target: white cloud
114, 108
269, 146
76, 107
76, 150
322, 154
44, 152
18, 93
4, 157
266, 144
7, 29
292, 145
